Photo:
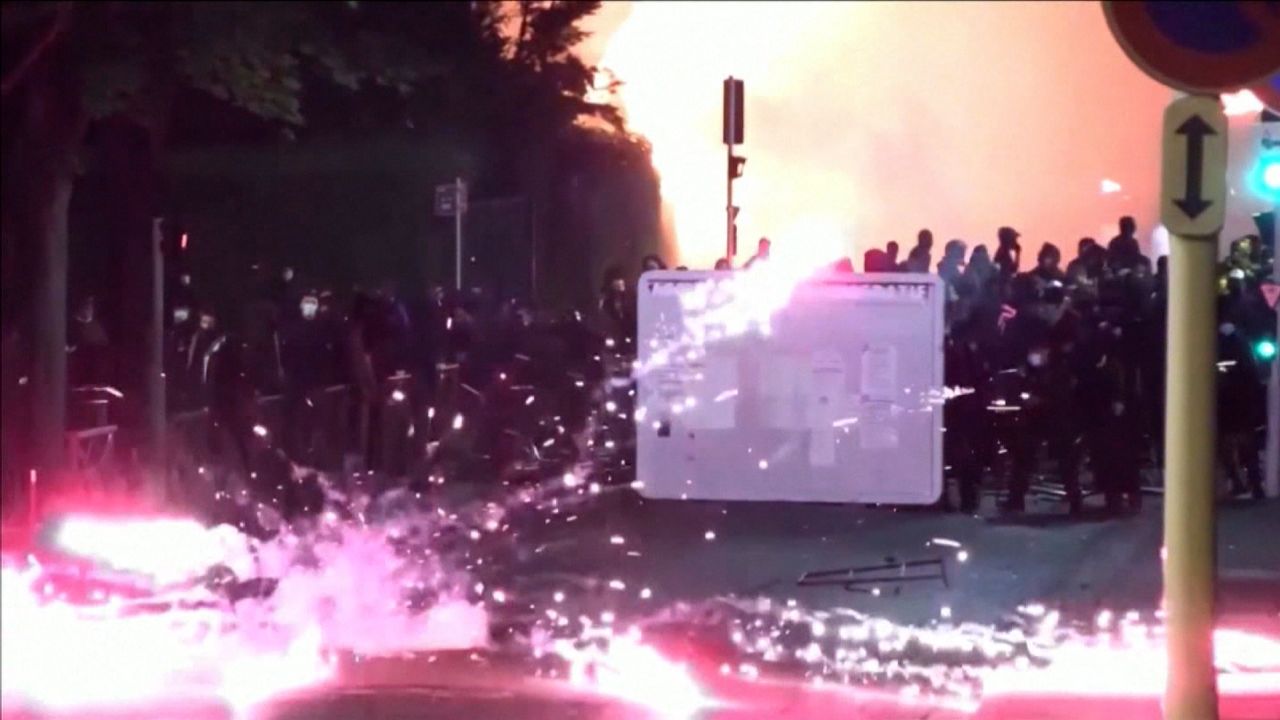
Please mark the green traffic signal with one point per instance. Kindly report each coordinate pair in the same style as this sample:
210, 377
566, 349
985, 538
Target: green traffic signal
1265, 349
1264, 179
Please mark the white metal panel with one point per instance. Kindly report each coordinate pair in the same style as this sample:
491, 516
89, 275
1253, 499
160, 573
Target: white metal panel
824, 391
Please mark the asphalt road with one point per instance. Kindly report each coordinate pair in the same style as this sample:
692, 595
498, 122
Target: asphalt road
692, 550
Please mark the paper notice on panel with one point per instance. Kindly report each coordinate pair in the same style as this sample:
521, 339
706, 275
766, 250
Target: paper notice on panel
878, 430
879, 380
826, 397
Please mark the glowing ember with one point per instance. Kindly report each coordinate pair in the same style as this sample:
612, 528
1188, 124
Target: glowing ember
167, 549
621, 666
226, 619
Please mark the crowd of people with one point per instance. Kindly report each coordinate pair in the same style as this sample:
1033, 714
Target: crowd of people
1065, 361
1073, 358
296, 341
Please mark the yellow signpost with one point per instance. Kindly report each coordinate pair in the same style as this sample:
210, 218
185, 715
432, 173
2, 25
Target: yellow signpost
1192, 205
1167, 41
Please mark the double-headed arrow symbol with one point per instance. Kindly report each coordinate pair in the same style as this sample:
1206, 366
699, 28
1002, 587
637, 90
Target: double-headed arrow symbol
1195, 128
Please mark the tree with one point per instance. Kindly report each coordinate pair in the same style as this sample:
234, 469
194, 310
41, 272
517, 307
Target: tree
119, 66
115, 72
551, 125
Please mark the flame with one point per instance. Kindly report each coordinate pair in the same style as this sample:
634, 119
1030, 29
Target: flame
180, 641
63, 656
166, 549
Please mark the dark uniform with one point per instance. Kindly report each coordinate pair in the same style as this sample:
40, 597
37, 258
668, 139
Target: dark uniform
1109, 401
1040, 342
307, 349
1241, 407
964, 415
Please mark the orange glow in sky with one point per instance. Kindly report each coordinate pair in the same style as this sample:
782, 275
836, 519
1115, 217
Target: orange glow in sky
873, 120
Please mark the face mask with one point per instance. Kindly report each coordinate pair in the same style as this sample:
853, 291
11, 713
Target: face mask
310, 308
181, 314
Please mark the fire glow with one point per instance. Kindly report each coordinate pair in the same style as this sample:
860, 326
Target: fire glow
879, 119
76, 638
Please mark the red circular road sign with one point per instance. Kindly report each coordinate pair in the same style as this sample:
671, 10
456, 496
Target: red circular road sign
1199, 47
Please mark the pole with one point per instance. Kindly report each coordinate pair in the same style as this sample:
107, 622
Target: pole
533, 243
153, 384
729, 249
457, 233
1271, 480
1190, 690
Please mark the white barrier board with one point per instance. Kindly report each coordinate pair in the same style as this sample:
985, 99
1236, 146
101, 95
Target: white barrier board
752, 388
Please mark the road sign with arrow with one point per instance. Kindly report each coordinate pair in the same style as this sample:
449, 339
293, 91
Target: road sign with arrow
1193, 189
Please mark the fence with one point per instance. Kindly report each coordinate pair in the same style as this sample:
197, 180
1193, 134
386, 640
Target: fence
329, 429
478, 422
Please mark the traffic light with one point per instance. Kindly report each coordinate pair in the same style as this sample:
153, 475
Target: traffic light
1264, 179
1265, 349
736, 164
733, 112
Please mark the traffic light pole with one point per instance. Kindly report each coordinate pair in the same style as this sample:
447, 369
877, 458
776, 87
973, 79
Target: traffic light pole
733, 135
1190, 691
1271, 461
457, 233
730, 244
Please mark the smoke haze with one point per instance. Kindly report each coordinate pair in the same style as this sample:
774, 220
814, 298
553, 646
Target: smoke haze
868, 121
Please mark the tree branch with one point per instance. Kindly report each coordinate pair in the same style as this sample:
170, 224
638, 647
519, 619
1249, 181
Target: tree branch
56, 28
518, 53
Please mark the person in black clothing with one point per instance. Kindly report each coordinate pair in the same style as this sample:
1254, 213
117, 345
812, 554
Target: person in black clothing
617, 307
1241, 396
763, 247
306, 348
233, 404
1040, 342
88, 350
1008, 252
951, 266
1083, 266
1151, 363
260, 329
387, 332
1110, 409
195, 365
652, 262
1123, 252
965, 419
425, 342
1047, 270
920, 259
890, 257
875, 260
